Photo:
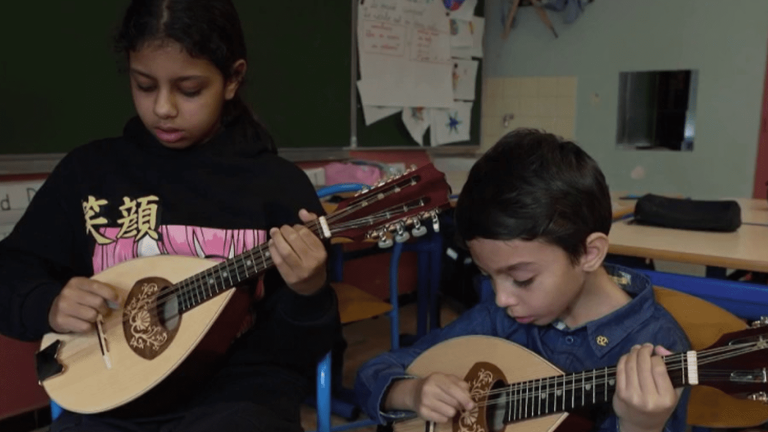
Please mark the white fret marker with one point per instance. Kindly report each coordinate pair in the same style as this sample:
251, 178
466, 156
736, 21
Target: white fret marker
559, 392
325, 227
543, 395
211, 281
249, 263
266, 254
693, 368
611, 382
224, 274
588, 386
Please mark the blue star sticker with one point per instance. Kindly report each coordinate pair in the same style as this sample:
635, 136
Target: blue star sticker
453, 122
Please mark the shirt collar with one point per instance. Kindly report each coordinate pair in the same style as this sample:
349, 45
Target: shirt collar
608, 331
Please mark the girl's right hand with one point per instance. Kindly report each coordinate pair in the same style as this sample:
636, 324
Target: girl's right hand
437, 398
79, 304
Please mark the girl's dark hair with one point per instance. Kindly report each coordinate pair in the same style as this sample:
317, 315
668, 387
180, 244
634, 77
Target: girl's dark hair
207, 29
533, 185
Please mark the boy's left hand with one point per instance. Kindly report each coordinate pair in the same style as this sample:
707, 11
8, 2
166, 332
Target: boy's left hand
299, 255
644, 398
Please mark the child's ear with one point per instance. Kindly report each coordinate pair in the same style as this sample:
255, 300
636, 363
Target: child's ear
596, 249
238, 74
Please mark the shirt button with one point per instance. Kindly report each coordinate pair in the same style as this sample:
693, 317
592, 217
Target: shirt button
569, 339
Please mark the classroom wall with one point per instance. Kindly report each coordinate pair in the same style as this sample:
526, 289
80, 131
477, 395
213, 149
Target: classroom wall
726, 42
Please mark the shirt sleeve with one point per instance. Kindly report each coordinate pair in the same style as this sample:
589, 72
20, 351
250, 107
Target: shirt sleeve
295, 330
44, 250
375, 377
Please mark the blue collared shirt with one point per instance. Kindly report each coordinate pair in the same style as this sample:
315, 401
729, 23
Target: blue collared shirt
572, 350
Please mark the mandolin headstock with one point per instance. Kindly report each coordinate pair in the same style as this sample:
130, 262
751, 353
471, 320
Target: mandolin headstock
737, 363
393, 207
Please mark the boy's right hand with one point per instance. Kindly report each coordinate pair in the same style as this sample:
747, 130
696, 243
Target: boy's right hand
78, 305
437, 398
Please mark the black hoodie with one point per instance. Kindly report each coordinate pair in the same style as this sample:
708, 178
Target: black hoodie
116, 199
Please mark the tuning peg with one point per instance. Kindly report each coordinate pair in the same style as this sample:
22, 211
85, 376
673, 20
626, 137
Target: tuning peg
435, 222
419, 231
402, 235
385, 242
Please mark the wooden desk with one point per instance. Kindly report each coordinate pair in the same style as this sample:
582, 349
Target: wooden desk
620, 207
753, 211
744, 249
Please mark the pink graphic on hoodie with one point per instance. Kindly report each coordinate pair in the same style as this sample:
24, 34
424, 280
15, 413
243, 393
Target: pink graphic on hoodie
212, 243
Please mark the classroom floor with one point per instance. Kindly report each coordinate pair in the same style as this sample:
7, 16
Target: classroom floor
366, 339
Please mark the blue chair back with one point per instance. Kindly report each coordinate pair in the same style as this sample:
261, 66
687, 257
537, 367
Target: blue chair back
56, 410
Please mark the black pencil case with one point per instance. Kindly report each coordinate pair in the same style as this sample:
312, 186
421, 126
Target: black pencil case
723, 215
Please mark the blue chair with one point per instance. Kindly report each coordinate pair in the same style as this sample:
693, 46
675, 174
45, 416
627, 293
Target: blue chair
429, 250
56, 410
745, 300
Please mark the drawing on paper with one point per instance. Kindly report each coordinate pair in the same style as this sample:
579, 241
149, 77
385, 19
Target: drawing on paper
453, 5
453, 122
417, 114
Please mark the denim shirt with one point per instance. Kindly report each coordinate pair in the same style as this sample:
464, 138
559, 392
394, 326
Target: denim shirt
571, 350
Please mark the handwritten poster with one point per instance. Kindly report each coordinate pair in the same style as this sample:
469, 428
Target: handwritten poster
14, 199
405, 53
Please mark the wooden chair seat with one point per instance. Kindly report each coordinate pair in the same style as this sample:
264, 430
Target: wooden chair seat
356, 304
704, 323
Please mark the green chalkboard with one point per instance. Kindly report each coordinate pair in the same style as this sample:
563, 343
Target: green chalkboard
300, 68
60, 84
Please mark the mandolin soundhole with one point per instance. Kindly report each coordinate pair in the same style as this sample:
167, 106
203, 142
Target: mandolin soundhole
482, 378
150, 318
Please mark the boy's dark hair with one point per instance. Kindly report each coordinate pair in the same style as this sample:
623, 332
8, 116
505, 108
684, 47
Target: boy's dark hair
207, 29
533, 185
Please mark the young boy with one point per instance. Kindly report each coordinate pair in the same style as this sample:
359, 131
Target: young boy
535, 214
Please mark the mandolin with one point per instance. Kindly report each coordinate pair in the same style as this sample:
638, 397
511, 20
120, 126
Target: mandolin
180, 314
516, 390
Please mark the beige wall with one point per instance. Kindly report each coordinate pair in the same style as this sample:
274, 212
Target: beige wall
547, 103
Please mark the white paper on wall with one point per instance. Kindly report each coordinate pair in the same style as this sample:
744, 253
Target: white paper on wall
461, 33
477, 28
464, 79
448, 125
416, 120
373, 113
461, 9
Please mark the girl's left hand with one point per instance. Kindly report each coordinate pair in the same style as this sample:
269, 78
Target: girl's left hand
299, 255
